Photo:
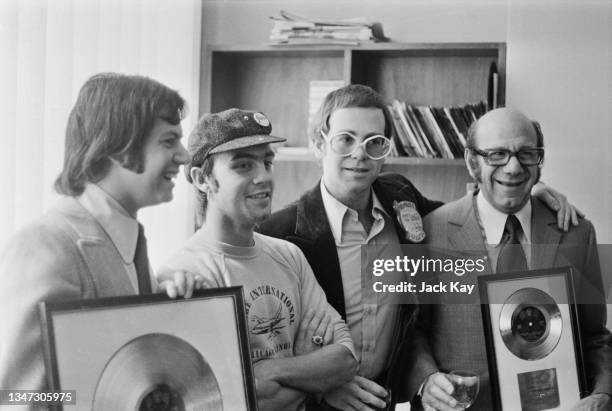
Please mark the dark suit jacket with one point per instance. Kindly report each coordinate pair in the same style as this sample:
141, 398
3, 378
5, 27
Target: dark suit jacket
305, 224
451, 336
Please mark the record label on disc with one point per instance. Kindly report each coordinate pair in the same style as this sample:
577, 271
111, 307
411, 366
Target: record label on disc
530, 324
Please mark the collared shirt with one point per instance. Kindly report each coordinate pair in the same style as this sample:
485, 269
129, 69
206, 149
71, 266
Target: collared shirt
492, 221
371, 324
121, 228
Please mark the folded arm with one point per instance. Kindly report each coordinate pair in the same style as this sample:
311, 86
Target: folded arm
272, 396
315, 372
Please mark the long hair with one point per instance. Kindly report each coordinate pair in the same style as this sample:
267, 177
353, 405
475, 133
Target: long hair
111, 119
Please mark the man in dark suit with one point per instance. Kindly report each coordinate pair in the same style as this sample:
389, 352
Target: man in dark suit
355, 205
504, 155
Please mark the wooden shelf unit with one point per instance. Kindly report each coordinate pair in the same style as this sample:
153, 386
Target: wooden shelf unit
275, 80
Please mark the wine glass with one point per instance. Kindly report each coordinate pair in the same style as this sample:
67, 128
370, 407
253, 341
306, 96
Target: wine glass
466, 385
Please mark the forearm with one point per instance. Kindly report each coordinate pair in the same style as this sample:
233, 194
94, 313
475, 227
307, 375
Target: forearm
318, 371
284, 399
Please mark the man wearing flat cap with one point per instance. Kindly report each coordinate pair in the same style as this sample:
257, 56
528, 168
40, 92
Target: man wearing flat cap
299, 343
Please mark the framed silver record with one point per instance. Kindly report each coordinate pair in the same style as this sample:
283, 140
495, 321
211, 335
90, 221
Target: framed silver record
151, 353
533, 342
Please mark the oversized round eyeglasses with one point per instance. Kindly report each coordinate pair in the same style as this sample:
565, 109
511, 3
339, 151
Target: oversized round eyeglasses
345, 144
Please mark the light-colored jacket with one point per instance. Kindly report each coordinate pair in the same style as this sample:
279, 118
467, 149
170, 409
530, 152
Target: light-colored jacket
64, 255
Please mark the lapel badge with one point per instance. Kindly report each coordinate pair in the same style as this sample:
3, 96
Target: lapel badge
410, 220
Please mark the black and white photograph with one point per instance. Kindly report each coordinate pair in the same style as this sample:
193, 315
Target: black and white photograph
408, 202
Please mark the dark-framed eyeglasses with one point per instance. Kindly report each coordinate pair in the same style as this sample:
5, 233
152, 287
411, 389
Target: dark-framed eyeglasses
501, 157
345, 144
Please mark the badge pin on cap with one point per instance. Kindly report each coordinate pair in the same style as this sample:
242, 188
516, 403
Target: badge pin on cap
261, 119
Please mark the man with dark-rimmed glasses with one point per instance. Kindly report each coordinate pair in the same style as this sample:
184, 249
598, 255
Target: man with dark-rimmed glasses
517, 232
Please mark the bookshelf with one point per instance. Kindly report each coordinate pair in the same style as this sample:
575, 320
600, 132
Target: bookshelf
276, 81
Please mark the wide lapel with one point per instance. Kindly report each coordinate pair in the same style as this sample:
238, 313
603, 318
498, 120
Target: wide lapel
464, 229
314, 237
465, 236
545, 235
107, 273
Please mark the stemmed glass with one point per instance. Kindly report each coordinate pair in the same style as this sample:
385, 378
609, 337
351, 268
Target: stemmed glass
466, 385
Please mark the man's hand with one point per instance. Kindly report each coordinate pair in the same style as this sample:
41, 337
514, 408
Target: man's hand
313, 324
595, 402
359, 394
181, 284
557, 202
437, 392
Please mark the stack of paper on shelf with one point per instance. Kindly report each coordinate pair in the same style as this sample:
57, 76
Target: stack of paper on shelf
291, 29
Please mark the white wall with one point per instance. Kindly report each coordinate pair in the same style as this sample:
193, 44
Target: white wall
559, 72
48, 48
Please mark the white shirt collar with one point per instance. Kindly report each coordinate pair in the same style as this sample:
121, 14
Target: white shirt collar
116, 222
493, 220
336, 211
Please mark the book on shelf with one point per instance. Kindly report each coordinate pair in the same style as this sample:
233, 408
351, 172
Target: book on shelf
432, 132
493, 87
404, 136
426, 147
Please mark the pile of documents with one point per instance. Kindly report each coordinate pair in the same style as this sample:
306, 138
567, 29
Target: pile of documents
291, 29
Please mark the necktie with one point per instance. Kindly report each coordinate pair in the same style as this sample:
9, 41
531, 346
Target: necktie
141, 262
511, 255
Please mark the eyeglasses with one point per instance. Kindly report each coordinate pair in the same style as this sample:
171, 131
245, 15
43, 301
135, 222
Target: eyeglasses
501, 157
345, 144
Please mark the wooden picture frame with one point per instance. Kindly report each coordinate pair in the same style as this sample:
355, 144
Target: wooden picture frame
131, 352
533, 340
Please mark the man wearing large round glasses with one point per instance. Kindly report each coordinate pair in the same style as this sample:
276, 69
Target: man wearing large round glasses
353, 205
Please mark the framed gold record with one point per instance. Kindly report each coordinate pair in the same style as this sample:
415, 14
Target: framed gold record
533, 341
146, 353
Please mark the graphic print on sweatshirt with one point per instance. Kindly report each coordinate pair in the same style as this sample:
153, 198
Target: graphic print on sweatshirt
270, 316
